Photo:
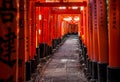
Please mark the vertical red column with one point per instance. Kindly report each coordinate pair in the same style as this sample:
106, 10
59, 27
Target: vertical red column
49, 31
89, 37
87, 26
37, 25
60, 34
42, 33
27, 33
95, 32
30, 63
114, 41
39, 18
33, 29
55, 26
27, 30
9, 41
95, 41
54, 30
22, 39
59, 29
82, 27
90, 29
102, 40
45, 24
62, 30
46, 20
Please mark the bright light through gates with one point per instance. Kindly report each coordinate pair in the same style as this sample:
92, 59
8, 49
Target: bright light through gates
40, 17
81, 8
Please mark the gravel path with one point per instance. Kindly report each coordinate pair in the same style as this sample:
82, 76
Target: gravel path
64, 65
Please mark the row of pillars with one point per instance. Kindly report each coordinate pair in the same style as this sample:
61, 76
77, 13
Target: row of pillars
103, 40
28, 34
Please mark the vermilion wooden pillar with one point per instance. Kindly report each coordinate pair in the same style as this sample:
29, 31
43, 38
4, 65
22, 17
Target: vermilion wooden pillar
90, 30
9, 29
60, 30
55, 31
102, 40
95, 41
82, 29
27, 30
33, 29
41, 31
114, 41
90, 38
49, 32
87, 29
63, 23
30, 63
95, 33
37, 24
46, 30
22, 41
57, 28
91, 33
84, 26
52, 30
28, 38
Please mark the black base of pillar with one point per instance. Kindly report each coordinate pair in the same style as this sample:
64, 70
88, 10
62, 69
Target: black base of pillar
32, 65
87, 63
113, 74
102, 72
37, 56
45, 50
28, 70
84, 52
59, 40
50, 50
54, 43
36, 60
90, 67
42, 49
73, 33
94, 70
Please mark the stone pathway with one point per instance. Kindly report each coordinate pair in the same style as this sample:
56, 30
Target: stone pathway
65, 66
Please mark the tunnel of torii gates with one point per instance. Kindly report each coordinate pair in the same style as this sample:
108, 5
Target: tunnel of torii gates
31, 29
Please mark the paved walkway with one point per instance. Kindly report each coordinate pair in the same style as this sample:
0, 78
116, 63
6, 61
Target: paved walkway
65, 66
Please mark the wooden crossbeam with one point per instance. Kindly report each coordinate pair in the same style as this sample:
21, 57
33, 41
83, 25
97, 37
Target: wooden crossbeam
68, 11
59, 4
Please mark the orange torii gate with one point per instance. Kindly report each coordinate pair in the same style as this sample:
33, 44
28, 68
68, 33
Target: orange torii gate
23, 35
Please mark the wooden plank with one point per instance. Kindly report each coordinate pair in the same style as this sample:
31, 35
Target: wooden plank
68, 11
58, 4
